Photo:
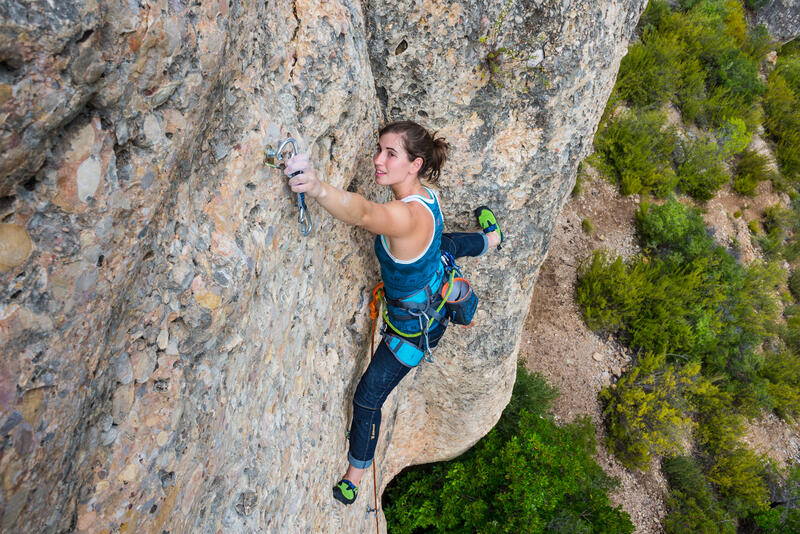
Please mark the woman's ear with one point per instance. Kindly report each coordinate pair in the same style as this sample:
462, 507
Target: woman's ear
416, 165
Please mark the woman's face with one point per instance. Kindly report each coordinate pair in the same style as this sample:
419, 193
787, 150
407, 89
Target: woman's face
391, 160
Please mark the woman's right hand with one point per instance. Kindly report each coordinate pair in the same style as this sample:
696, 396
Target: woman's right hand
306, 181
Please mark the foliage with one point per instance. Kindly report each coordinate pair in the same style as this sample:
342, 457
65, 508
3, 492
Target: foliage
714, 351
703, 58
738, 476
784, 513
647, 412
782, 107
758, 42
635, 150
733, 137
751, 168
692, 506
702, 173
588, 226
782, 231
672, 227
781, 371
794, 283
649, 74
527, 475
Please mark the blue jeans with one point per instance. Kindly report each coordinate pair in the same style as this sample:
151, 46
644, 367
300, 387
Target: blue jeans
385, 371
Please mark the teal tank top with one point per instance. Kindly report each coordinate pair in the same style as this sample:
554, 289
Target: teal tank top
402, 278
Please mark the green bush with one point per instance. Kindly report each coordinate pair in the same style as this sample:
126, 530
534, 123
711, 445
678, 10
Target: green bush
702, 173
635, 150
609, 292
733, 137
751, 168
691, 95
588, 226
789, 69
672, 227
755, 5
784, 513
782, 372
794, 283
738, 477
781, 237
648, 412
692, 506
782, 108
527, 475
758, 43
649, 74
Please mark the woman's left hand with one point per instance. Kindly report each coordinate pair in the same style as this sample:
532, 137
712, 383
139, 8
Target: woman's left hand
305, 182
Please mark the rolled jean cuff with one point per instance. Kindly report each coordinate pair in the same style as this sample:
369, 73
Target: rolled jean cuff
358, 464
485, 244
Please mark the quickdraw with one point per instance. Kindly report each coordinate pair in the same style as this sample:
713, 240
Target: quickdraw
305, 221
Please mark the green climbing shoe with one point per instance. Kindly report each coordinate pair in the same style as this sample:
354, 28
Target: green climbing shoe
488, 222
345, 491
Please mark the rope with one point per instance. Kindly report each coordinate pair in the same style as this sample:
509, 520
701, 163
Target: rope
373, 314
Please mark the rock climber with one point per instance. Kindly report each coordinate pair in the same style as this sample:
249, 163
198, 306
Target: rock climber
409, 243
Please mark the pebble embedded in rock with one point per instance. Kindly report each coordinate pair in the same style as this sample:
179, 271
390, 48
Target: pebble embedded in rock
88, 178
121, 402
163, 338
123, 368
107, 437
144, 363
15, 246
105, 422
597, 357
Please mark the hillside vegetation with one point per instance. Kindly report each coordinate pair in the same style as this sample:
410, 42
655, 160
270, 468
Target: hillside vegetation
718, 341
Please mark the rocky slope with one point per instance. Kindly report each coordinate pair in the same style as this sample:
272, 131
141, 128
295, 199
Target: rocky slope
175, 355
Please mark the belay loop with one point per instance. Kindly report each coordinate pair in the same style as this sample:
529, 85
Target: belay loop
305, 221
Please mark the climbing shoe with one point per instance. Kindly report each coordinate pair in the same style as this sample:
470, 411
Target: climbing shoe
345, 491
488, 222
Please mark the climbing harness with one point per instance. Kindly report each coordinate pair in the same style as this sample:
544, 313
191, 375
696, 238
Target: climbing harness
455, 302
305, 221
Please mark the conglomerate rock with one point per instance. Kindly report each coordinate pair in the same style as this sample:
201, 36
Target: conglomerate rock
782, 19
175, 355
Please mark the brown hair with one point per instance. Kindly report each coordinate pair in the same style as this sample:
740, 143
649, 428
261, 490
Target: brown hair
419, 143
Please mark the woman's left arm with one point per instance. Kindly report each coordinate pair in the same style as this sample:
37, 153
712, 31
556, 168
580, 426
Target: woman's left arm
392, 219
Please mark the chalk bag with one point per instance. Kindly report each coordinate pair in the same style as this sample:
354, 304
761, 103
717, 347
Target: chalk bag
462, 302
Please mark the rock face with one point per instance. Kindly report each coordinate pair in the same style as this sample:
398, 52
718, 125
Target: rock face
175, 355
782, 19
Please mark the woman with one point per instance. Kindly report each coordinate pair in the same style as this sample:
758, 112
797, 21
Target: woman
408, 243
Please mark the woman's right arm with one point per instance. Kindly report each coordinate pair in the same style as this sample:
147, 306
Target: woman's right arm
393, 219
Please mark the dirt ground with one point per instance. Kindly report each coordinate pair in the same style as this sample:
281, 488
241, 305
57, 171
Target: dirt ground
557, 343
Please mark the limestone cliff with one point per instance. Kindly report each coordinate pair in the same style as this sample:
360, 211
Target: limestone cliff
175, 355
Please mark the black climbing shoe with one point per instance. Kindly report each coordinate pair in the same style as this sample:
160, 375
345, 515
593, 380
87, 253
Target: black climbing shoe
345, 491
